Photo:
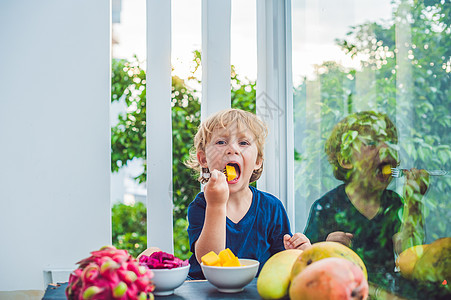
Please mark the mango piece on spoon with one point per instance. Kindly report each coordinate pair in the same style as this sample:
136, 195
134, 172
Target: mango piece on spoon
386, 170
230, 172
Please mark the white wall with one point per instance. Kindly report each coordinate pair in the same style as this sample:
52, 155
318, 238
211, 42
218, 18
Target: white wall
54, 136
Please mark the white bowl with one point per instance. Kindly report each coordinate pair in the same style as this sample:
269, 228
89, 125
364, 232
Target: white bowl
167, 280
231, 279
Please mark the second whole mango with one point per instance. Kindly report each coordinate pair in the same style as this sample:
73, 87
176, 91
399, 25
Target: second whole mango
323, 250
435, 263
407, 259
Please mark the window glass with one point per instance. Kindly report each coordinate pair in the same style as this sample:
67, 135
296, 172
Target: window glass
371, 92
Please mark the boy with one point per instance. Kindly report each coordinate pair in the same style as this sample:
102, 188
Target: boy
230, 213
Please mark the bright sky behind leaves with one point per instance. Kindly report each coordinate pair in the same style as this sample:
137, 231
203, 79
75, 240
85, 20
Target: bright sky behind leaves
315, 23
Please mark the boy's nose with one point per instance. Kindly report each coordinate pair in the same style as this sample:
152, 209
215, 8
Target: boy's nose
233, 148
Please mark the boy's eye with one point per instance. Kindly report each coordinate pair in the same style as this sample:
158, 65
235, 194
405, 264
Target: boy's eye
244, 143
220, 142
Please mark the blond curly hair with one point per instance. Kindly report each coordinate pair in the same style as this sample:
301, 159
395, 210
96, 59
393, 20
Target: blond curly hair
223, 119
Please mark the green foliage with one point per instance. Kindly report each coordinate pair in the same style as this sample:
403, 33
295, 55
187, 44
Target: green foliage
181, 242
128, 85
129, 227
243, 93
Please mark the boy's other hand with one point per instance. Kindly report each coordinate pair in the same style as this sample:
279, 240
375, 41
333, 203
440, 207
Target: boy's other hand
297, 241
344, 238
216, 190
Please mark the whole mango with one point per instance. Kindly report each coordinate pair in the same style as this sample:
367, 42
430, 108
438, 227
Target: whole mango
435, 264
330, 278
323, 250
274, 278
408, 258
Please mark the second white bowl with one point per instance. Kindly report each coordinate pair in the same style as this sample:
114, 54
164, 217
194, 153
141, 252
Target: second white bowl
231, 279
167, 280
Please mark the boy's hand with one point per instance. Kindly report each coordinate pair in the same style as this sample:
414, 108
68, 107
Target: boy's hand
216, 191
297, 241
344, 238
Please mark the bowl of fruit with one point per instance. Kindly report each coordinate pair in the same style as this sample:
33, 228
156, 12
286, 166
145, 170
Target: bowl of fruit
169, 272
228, 273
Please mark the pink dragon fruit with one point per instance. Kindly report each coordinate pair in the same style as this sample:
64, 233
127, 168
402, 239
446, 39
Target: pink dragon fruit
110, 273
161, 260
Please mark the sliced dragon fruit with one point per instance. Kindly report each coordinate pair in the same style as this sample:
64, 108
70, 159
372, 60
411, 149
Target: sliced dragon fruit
162, 260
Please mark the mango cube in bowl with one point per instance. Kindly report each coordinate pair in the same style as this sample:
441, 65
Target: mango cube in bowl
226, 258
211, 259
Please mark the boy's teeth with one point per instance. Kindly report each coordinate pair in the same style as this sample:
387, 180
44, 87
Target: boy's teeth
230, 172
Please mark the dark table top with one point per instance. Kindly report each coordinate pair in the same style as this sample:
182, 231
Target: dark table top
202, 289
198, 289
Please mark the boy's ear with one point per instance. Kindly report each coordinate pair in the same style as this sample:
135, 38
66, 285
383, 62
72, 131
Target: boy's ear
258, 163
202, 159
345, 164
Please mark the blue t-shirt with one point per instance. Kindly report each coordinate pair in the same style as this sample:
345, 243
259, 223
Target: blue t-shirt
373, 239
258, 235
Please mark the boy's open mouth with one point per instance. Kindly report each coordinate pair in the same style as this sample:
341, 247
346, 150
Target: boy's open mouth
232, 172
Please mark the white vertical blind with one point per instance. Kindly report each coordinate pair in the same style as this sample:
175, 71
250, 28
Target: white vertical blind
159, 126
275, 98
216, 94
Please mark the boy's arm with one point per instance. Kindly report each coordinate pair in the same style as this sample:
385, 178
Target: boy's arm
213, 235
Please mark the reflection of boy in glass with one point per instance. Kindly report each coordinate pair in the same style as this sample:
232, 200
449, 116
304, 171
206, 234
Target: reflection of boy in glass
362, 213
